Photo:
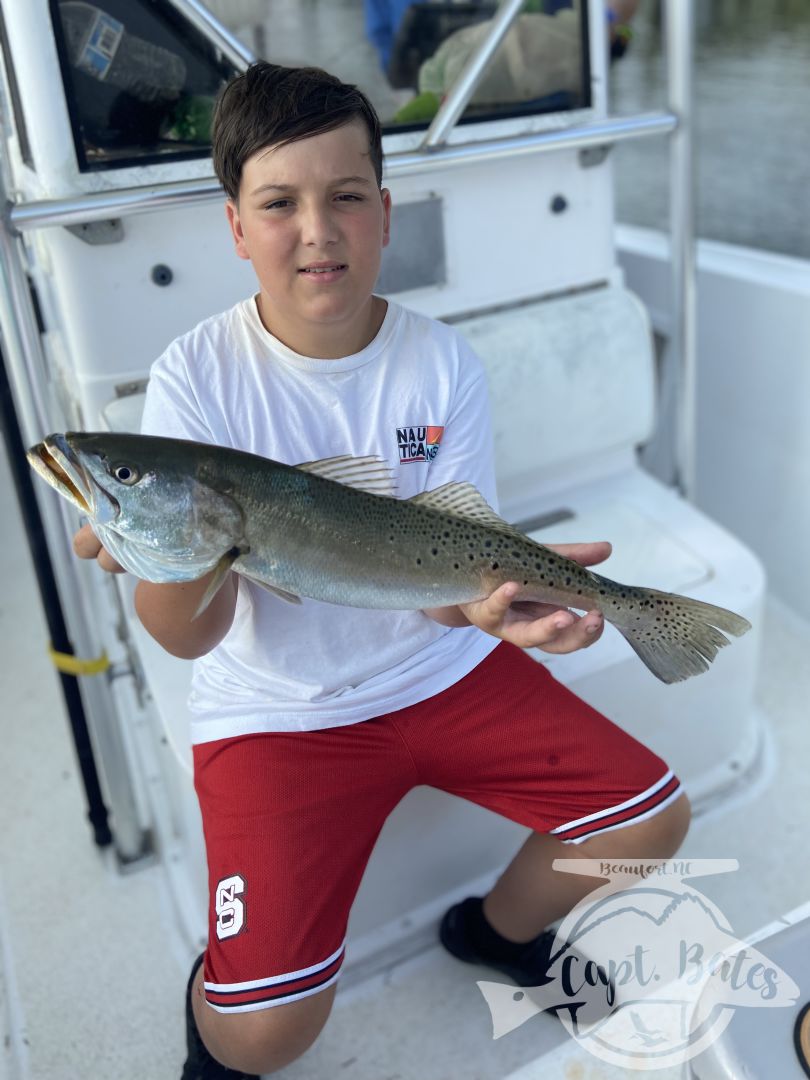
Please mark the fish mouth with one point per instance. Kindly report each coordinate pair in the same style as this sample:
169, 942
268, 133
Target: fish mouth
60, 466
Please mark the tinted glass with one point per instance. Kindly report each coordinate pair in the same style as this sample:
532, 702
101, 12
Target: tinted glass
405, 55
140, 82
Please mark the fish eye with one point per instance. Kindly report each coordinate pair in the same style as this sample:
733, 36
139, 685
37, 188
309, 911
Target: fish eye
125, 474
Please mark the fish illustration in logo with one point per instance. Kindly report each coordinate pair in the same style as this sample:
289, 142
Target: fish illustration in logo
670, 975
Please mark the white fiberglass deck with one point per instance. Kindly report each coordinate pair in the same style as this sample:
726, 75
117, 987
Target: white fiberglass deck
94, 970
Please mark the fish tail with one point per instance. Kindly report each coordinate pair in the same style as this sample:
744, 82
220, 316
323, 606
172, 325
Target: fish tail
678, 637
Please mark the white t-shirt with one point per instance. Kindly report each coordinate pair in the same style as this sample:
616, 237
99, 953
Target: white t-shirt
415, 396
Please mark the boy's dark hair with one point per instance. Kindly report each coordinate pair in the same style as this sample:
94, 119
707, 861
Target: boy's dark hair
270, 105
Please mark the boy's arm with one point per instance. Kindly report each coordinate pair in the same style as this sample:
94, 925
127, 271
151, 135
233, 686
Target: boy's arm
167, 611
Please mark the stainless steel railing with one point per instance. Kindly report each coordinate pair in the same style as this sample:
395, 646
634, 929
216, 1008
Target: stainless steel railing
126, 202
682, 351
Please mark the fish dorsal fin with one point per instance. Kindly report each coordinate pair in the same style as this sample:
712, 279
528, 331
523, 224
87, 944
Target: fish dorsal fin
466, 501
368, 473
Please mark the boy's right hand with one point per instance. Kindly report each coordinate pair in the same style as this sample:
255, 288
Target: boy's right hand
88, 546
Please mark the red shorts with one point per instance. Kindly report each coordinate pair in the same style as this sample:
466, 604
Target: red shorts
291, 818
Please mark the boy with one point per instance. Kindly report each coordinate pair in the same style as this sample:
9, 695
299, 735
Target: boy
311, 721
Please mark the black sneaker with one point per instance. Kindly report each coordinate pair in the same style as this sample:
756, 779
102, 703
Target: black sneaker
199, 1063
526, 965
529, 969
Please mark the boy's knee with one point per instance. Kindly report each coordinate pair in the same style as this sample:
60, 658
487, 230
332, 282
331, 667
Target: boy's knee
268, 1039
674, 824
659, 837
664, 833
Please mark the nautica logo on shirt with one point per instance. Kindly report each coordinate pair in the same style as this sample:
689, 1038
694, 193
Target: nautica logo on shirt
420, 443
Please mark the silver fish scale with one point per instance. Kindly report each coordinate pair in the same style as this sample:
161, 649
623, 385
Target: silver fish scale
420, 557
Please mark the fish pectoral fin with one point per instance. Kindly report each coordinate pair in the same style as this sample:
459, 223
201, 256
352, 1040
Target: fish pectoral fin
371, 474
218, 579
282, 594
465, 501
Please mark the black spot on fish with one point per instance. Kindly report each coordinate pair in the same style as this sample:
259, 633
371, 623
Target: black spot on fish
494, 566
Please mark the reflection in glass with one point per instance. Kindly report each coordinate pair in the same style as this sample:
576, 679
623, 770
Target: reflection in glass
140, 82
405, 54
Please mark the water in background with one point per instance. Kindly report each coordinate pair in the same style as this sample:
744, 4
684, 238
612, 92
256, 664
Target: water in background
752, 123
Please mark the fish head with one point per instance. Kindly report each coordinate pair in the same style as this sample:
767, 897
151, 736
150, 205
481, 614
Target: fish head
145, 489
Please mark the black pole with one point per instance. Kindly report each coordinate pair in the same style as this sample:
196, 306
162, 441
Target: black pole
96, 810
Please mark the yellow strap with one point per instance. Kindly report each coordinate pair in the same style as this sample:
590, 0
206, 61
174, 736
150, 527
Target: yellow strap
74, 665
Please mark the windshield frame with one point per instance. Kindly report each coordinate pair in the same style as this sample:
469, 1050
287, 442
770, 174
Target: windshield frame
190, 34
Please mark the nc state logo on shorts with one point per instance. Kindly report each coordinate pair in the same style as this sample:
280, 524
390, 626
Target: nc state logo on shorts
229, 907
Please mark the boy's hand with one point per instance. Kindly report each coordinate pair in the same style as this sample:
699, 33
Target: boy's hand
88, 546
532, 625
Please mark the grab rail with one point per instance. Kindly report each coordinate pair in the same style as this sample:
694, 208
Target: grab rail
126, 202
679, 34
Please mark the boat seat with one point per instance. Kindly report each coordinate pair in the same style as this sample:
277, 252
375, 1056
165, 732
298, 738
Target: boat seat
572, 387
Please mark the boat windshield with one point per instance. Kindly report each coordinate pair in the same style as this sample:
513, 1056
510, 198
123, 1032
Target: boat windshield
406, 56
140, 81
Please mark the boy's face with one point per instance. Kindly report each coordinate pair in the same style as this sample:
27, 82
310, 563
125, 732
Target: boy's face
313, 221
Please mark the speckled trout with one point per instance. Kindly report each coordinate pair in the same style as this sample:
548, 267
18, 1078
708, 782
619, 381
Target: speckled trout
333, 530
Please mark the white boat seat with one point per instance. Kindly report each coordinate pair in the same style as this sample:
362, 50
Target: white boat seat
571, 381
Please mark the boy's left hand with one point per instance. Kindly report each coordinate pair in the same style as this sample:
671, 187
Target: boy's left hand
528, 624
